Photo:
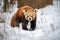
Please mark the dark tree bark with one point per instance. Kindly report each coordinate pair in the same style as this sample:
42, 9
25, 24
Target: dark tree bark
34, 3
8, 4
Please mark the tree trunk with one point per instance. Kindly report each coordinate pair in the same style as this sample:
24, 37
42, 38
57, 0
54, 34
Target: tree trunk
34, 3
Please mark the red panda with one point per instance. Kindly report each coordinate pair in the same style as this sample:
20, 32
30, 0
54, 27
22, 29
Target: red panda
24, 15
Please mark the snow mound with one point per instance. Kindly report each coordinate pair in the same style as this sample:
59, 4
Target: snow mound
45, 25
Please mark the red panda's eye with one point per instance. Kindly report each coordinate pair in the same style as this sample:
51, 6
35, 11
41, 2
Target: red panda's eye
26, 10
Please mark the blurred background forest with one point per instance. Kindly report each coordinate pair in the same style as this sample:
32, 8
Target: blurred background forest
6, 4
33, 3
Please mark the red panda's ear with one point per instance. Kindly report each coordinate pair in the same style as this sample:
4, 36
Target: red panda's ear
24, 10
35, 10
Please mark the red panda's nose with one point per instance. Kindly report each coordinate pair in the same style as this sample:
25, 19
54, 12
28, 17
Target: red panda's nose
29, 18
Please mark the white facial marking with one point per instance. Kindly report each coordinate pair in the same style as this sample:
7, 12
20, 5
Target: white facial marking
29, 15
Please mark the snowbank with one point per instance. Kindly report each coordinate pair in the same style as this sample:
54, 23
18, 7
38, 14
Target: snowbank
46, 25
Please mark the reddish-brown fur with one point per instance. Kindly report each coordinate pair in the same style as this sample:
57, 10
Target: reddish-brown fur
19, 14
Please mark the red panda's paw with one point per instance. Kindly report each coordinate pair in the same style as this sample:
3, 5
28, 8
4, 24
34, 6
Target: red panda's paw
24, 28
31, 29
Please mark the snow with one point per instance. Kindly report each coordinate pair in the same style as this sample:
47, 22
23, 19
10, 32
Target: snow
47, 26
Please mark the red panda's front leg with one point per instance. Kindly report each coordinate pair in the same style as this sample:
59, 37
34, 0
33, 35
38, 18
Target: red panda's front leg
24, 25
33, 25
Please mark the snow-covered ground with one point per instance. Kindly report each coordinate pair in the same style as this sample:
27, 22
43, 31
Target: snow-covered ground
47, 26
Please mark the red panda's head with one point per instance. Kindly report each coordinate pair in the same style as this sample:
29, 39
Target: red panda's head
30, 14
